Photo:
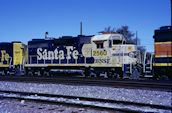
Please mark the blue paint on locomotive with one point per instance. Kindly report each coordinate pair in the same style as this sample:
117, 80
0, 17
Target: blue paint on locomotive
49, 51
6, 51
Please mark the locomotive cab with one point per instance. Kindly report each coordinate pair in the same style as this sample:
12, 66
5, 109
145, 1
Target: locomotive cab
110, 50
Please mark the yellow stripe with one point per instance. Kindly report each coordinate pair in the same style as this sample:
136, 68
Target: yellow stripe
162, 64
163, 56
91, 65
26, 64
163, 42
4, 65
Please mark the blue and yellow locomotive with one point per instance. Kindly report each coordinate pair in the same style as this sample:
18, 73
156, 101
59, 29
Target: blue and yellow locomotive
12, 57
99, 55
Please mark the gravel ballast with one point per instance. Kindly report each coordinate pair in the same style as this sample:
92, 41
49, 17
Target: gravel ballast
122, 94
16, 106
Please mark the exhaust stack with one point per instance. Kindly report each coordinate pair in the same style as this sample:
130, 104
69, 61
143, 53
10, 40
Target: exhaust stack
81, 28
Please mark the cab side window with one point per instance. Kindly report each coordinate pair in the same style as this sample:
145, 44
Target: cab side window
99, 45
117, 42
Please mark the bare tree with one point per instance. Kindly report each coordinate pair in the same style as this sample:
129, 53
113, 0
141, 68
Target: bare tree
108, 29
124, 30
128, 35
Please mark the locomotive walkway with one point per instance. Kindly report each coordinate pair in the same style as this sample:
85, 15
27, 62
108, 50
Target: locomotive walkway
139, 84
104, 104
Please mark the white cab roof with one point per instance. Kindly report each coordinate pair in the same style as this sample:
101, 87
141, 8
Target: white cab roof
107, 37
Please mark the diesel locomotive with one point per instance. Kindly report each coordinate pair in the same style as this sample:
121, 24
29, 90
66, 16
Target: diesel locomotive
163, 51
106, 55
100, 55
12, 57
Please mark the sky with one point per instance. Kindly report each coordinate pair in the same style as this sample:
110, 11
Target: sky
23, 20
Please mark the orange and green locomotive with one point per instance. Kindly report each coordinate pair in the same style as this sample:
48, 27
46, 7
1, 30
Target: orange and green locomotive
163, 52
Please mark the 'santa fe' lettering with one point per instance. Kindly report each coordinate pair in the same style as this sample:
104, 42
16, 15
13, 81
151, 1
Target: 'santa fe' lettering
4, 56
57, 54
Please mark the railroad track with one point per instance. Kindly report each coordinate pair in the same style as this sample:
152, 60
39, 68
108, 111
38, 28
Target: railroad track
103, 104
149, 84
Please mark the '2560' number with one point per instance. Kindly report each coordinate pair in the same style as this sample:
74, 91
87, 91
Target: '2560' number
100, 53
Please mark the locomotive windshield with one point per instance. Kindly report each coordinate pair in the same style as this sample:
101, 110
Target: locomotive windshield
117, 42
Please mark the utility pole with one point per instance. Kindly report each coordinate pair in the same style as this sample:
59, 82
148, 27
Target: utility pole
136, 38
136, 42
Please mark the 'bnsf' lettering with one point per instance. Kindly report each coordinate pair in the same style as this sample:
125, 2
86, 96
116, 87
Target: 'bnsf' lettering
102, 61
57, 54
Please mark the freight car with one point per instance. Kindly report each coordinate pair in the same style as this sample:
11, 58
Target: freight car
12, 58
100, 55
163, 52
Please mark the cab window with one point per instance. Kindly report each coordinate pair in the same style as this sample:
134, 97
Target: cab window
99, 45
117, 42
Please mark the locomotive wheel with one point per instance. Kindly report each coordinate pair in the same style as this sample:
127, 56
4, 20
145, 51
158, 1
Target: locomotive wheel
112, 75
170, 77
46, 73
38, 73
30, 73
24, 72
8, 73
3, 73
92, 73
87, 71
83, 74
103, 74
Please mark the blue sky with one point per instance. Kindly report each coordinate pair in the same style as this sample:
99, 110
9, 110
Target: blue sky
23, 20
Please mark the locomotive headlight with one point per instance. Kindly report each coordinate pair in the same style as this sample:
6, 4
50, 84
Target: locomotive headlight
113, 48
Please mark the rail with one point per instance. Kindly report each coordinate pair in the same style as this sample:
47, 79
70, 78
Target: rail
149, 84
104, 104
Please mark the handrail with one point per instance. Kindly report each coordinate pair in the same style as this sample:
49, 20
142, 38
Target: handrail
32, 56
21, 63
144, 61
151, 62
130, 66
24, 59
122, 58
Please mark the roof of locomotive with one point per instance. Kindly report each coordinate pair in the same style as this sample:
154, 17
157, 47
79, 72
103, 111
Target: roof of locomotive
5, 45
8, 43
63, 40
163, 34
107, 37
